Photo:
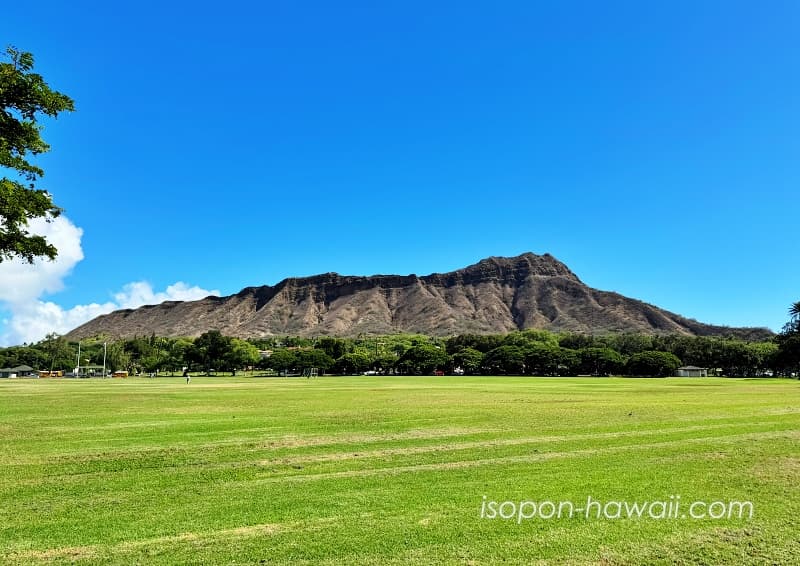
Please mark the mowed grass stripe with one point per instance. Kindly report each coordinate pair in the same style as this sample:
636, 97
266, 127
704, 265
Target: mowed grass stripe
235, 456
105, 486
81, 470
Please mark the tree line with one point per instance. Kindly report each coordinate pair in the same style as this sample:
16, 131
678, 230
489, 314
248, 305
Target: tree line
527, 352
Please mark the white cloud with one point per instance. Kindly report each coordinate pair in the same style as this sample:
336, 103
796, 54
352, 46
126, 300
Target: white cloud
33, 320
23, 285
140, 293
20, 282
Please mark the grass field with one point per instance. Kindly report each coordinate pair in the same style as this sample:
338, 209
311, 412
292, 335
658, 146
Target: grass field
391, 470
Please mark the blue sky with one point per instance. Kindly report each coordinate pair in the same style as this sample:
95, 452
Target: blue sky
652, 147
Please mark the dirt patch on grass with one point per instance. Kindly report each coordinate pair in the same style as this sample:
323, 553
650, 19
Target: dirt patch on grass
124, 548
689, 457
206, 536
718, 545
332, 440
71, 554
783, 469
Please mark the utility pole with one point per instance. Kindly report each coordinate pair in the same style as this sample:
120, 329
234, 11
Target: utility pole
104, 360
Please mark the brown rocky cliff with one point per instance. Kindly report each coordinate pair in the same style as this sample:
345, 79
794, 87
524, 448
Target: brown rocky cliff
495, 295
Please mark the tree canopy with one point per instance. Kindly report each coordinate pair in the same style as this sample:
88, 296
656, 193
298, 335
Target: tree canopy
787, 357
526, 353
24, 98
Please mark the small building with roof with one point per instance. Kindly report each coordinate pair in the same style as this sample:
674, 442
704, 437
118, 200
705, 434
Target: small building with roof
691, 371
19, 371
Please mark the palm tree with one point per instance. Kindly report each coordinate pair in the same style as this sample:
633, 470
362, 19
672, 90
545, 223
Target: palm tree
793, 326
794, 311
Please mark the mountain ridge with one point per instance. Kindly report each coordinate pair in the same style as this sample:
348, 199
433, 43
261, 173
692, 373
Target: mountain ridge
495, 295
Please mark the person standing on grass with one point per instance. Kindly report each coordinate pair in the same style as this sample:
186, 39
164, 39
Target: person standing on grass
186, 375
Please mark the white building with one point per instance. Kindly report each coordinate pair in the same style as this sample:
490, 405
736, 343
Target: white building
691, 371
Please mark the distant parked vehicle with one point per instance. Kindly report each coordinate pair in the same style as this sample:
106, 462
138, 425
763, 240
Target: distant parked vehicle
52, 373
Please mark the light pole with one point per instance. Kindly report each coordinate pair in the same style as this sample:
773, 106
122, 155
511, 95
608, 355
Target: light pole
104, 360
78, 369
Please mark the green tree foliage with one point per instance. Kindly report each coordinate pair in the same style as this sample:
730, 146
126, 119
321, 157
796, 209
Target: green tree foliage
281, 360
297, 342
530, 353
468, 359
240, 354
334, 347
763, 356
504, 360
786, 358
353, 363
264, 343
542, 358
384, 363
23, 355
530, 337
577, 341
742, 359
601, 361
307, 359
24, 98
58, 352
118, 357
153, 361
210, 351
794, 314
698, 351
569, 361
422, 359
652, 364
91, 352
629, 343
480, 342
177, 354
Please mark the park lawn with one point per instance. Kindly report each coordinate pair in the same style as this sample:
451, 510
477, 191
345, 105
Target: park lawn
392, 470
